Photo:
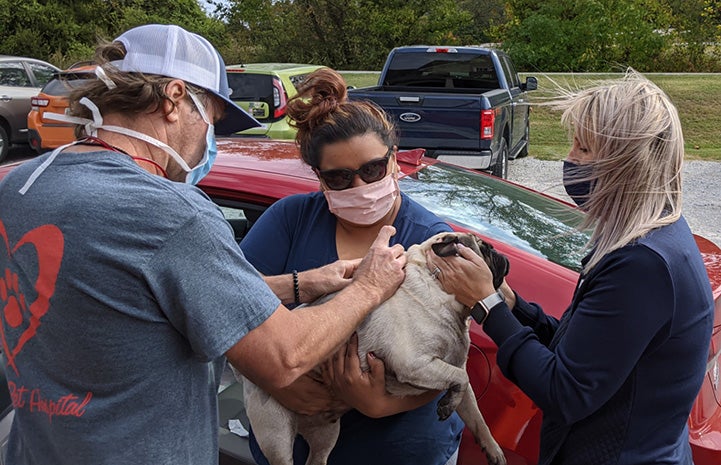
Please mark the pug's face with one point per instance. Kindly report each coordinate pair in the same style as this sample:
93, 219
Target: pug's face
498, 263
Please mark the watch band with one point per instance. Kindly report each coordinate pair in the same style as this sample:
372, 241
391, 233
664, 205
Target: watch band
483, 307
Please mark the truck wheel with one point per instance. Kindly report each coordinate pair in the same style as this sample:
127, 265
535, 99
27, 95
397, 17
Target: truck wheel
4, 143
500, 169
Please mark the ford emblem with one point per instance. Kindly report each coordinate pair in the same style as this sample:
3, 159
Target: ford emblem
410, 117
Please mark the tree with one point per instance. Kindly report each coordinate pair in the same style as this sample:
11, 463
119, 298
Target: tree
65, 31
586, 35
486, 17
353, 34
695, 31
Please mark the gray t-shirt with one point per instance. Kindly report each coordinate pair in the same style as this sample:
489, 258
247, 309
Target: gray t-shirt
118, 287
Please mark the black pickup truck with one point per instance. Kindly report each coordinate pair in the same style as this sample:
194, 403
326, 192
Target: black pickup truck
464, 105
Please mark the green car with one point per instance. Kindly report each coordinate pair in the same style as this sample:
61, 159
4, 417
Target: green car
263, 90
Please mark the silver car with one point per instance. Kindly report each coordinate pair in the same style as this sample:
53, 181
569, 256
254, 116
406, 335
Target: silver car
20, 79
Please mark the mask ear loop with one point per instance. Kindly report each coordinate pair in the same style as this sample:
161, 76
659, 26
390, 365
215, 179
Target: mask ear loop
39, 170
100, 73
91, 125
91, 128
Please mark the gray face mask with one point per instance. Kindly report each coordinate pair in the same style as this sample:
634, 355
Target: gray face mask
577, 181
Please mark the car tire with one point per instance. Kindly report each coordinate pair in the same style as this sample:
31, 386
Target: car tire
4, 143
500, 168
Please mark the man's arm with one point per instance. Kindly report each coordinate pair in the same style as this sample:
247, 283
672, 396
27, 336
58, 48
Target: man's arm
313, 283
288, 344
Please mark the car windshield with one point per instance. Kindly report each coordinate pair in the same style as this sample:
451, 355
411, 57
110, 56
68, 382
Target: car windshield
63, 84
501, 211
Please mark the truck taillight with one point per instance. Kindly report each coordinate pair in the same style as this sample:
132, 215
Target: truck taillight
488, 119
39, 102
280, 99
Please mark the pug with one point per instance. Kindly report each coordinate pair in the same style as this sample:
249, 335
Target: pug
422, 335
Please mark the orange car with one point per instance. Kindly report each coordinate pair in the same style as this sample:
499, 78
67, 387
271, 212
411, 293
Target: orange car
45, 133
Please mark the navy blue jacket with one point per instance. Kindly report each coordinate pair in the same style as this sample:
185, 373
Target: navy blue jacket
617, 376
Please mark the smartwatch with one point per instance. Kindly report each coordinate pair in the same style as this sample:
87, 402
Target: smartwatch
482, 308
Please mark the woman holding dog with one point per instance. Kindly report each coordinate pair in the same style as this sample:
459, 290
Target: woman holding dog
351, 148
617, 375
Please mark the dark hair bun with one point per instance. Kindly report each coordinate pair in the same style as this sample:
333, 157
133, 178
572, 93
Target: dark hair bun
322, 92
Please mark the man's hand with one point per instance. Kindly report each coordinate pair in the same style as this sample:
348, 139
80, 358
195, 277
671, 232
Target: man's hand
382, 269
326, 279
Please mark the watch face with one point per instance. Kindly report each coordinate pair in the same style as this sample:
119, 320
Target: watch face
482, 308
479, 313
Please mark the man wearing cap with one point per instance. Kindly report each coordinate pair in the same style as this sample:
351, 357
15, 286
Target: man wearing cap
120, 281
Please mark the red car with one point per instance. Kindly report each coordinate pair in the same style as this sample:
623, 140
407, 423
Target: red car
536, 232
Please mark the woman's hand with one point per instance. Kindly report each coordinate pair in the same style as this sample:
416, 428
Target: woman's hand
365, 390
508, 294
466, 276
360, 389
308, 396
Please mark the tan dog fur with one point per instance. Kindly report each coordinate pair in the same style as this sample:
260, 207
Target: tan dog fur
421, 334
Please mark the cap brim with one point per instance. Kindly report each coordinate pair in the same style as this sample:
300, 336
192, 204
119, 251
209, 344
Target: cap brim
235, 120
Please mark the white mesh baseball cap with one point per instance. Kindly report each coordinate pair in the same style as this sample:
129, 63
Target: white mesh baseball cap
169, 50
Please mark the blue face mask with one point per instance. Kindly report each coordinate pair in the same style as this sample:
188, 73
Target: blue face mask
577, 181
211, 149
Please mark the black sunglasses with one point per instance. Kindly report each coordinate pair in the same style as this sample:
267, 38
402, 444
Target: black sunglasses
369, 172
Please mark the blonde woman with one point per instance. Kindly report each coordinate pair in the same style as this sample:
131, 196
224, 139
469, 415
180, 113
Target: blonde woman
617, 375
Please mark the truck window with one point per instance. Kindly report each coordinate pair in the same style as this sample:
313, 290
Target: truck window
448, 70
510, 71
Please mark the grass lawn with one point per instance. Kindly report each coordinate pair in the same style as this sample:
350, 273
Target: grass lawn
697, 97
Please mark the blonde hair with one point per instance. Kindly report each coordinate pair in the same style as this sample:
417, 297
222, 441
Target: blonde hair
322, 114
633, 131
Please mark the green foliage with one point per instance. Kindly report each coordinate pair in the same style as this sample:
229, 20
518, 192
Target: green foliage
586, 35
549, 35
64, 32
696, 33
354, 34
486, 17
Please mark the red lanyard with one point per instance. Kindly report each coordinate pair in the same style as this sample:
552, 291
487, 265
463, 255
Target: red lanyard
91, 140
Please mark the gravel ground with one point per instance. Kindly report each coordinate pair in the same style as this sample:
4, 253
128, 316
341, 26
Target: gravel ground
701, 189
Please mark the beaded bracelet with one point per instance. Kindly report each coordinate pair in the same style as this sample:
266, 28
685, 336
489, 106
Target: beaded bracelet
296, 287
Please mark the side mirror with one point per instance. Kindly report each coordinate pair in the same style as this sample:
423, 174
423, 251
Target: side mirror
531, 83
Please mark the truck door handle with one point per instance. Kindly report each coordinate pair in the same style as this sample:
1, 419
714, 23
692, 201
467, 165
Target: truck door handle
5, 98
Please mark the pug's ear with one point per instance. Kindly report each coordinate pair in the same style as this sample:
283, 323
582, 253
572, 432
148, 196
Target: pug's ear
500, 266
446, 247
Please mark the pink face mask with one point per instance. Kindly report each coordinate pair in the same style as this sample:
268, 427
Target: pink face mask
366, 204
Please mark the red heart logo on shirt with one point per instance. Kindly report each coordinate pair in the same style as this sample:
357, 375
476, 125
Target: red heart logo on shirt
15, 309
